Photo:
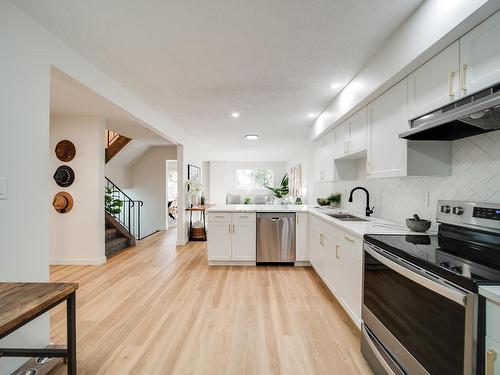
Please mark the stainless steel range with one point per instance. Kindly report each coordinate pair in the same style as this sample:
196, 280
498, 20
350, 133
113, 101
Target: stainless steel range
421, 310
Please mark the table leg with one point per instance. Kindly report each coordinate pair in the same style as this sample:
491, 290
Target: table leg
71, 332
204, 225
190, 223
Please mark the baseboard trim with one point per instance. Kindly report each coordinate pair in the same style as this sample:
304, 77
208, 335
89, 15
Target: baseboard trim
302, 263
231, 263
76, 261
181, 242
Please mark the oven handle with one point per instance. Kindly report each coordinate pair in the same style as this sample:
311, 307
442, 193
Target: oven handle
449, 292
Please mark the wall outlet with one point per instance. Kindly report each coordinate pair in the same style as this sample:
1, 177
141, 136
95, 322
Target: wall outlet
3, 188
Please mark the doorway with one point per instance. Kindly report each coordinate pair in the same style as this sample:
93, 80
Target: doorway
172, 193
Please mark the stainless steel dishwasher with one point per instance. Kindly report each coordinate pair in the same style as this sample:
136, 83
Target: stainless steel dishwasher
275, 237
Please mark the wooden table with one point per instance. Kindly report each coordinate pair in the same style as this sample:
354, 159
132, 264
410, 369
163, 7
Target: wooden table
202, 209
20, 303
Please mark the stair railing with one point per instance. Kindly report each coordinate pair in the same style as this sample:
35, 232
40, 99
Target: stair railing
130, 213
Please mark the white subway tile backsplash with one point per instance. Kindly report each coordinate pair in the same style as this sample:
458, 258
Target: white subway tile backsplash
475, 177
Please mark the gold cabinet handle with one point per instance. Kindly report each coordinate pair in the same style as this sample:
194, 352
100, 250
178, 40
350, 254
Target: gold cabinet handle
348, 239
229, 228
233, 229
463, 86
491, 357
451, 89
337, 252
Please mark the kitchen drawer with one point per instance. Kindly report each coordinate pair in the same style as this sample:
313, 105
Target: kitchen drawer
219, 217
353, 244
244, 217
493, 320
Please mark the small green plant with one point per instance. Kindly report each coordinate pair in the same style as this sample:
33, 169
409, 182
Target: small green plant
247, 200
112, 204
282, 190
335, 198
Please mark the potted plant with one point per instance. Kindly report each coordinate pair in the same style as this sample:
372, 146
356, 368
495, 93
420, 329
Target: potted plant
335, 199
112, 204
193, 189
247, 200
280, 191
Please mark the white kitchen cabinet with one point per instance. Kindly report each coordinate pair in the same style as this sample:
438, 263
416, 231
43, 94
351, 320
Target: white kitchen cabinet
301, 237
492, 356
323, 149
434, 84
342, 137
219, 240
358, 131
243, 239
480, 56
232, 237
336, 256
388, 117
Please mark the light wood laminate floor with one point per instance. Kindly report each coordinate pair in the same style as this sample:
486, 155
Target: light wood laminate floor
158, 309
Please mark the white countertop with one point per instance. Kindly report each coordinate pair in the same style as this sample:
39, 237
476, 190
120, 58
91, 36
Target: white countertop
373, 225
491, 292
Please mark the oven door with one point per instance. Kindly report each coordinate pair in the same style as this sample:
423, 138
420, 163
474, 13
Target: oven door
425, 324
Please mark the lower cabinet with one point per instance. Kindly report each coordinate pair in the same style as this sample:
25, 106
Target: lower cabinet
336, 255
231, 237
301, 237
492, 342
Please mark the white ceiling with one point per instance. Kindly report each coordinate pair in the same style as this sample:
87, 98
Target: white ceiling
69, 97
198, 61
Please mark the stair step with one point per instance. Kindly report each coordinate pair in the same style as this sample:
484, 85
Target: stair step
111, 233
116, 244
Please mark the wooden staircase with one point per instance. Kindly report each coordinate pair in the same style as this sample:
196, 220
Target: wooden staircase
117, 236
114, 143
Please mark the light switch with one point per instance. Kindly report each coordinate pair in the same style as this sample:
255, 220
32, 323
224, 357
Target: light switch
3, 188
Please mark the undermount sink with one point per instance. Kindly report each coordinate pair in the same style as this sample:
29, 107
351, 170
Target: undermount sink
345, 217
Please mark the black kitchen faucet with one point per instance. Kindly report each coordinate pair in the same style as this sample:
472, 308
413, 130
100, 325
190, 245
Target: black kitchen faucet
369, 210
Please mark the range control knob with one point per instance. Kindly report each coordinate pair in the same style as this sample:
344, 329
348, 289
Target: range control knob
458, 210
445, 209
457, 269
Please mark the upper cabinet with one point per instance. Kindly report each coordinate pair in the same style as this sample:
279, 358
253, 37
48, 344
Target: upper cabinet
351, 135
388, 118
359, 131
480, 56
434, 84
323, 149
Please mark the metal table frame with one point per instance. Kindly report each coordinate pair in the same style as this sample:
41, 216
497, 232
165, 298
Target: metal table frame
69, 354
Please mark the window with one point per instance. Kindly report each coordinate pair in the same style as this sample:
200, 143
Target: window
252, 179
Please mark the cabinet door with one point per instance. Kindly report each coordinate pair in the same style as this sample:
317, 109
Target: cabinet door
359, 131
434, 84
301, 237
244, 237
352, 273
492, 357
327, 156
315, 240
388, 117
317, 148
480, 56
219, 241
342, 138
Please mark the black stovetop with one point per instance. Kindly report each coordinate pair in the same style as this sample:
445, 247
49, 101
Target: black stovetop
464, 257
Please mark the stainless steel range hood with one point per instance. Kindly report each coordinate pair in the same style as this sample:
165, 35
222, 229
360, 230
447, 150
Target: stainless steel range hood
475, 114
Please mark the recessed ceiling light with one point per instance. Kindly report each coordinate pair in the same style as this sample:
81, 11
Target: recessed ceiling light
311, 115
335, 85
235, 114
252, 137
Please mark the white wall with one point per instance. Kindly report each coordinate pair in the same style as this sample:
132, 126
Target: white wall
24, 140
475, 177
149, 184
432, 27
223, 178
119, 175
77, 237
